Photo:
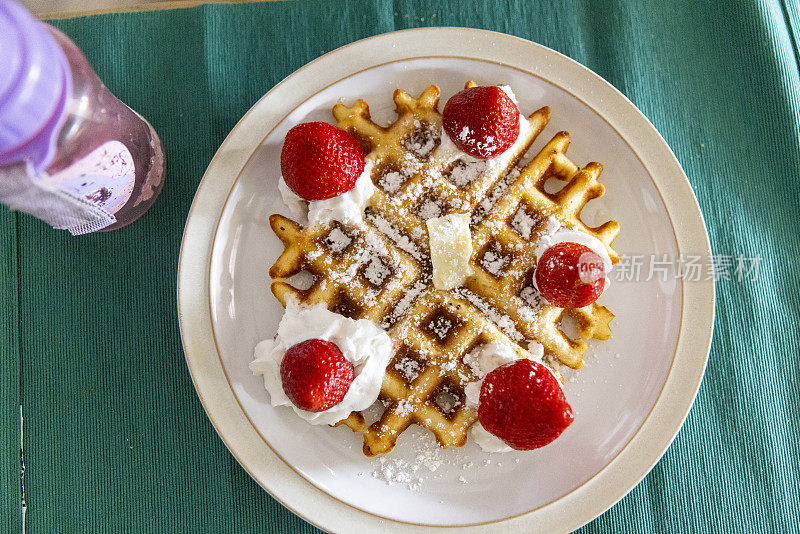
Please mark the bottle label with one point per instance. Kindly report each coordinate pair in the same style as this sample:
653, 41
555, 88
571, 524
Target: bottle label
21, 189
104, 177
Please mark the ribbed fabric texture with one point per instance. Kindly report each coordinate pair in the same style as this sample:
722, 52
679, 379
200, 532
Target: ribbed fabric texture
115, 437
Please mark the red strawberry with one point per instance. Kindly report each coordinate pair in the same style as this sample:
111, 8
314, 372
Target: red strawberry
570, 275
481, 121
316, 375
320, 161
522, 404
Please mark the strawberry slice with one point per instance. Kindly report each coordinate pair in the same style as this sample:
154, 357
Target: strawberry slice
481, 121
320, 161
316, 375
570, 275
522, 404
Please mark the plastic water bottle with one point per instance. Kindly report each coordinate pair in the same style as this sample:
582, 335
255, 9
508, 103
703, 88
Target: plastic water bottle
71, 153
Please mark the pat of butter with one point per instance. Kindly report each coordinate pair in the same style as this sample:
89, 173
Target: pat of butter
451, 249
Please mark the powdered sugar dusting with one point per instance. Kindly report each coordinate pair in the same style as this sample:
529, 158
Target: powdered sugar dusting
429, 209
464, 173
532, 297
391, 182
337, 240
394, 234
424, 139
523, 223
504, 322
441, 326
376, 272
497, 192
398, 471
409, 368
405, 303
421, 461
494, 261
411, 185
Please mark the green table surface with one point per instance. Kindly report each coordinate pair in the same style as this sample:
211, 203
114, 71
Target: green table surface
115, 439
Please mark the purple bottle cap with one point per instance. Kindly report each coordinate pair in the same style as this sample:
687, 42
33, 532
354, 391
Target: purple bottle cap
34, 83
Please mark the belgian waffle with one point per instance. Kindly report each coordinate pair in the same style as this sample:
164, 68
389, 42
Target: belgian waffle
381, 270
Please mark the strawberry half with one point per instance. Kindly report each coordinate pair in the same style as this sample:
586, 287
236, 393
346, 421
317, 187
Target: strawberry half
522, 404
320, 161
570, 275
481, 121
316, 375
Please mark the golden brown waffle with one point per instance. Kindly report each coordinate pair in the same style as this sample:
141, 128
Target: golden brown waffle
381, 270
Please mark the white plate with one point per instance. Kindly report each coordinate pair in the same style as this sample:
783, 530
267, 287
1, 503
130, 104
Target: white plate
631, 396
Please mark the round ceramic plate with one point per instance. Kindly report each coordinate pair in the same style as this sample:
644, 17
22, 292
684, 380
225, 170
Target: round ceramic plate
629, 399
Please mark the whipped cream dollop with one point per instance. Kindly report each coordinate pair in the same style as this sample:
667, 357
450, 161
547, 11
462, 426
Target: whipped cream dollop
363, 343
449, 152
488, 441
483, 360
346, 208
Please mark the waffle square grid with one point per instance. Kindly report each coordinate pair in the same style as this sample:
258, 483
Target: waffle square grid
381, 270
